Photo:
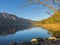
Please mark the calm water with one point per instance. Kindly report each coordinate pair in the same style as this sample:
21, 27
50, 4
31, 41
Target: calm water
22, 33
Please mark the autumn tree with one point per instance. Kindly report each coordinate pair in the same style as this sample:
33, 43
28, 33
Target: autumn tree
55, 2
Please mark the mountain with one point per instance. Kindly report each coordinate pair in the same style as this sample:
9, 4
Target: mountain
10, 19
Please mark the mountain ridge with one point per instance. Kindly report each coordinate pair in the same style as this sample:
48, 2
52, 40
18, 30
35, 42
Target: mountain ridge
11, 19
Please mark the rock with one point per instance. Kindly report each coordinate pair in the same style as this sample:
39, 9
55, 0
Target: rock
13, 43
52, 38
34, 41
24, 43
39, 41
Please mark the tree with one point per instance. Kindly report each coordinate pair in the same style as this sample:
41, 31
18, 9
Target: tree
47, 5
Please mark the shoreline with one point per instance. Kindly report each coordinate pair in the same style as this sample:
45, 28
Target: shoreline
38, 41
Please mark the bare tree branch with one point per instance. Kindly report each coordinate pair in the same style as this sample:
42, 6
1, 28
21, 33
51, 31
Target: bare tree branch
54, 2
48, 13
47, 5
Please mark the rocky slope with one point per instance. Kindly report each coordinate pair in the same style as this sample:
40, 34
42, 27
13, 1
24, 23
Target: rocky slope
10, 19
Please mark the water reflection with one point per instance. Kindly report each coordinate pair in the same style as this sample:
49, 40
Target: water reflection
5, 30
23, 33
20, 33
54, 33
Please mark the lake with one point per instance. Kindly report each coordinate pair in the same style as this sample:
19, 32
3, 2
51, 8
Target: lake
21, 33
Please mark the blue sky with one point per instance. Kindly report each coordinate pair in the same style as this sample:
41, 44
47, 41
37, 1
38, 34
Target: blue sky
33, 12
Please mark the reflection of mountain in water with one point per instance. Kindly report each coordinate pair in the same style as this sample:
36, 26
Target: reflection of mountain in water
5, 30
10, 23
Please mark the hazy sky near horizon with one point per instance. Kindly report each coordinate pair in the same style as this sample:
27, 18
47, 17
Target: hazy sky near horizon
31, 11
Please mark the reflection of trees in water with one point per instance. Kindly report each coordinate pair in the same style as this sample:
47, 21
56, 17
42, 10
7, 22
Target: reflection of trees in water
54, 33
5, 30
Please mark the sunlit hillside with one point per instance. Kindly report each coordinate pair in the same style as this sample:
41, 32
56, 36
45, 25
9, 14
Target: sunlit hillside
52, 23
55, 18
